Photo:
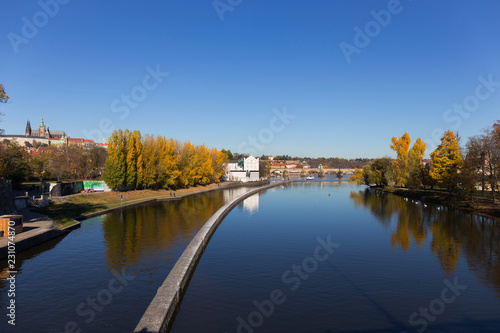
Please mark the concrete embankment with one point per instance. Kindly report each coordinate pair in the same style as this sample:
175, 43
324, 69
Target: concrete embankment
38, 229
161, 310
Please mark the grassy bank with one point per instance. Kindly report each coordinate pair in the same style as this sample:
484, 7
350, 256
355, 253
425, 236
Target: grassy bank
85, 203
481, 204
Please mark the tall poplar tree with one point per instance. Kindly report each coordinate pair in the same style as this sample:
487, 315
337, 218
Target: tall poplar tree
446, 161
415, 157
401, 146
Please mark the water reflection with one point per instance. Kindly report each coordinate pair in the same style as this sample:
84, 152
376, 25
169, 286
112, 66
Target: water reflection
451, 232
146, 230
251, 204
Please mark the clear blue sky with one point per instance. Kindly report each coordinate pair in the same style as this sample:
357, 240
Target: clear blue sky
226, 77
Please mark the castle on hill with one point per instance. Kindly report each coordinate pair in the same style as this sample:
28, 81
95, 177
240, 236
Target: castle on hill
43, 132
43, 135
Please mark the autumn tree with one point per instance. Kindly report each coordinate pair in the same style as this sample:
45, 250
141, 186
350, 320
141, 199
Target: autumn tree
136, 161
150, 161
4, 98
187, 160
202, 168
358, 177
446, 161
476, 158
219, 163
491, 141
401, 146
95, 158
415, 157
13, 162
168, 159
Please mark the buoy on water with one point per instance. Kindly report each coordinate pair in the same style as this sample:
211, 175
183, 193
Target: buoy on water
328, 194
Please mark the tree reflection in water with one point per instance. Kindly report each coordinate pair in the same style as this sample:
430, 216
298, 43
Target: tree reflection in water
452, 232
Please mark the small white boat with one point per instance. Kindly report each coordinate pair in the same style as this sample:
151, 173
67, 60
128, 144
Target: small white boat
310, 178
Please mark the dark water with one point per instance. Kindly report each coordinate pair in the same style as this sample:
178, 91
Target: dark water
102, 277
330, 257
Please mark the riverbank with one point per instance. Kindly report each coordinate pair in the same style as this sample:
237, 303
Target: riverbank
63, 215
481, 205
64, 210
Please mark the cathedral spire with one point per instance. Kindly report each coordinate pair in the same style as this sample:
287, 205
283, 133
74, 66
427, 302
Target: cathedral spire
28, 128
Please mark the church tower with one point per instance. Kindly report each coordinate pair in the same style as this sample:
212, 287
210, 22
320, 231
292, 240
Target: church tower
41, 129
28, 129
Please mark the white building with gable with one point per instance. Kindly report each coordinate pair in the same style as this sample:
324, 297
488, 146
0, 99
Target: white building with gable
243, 170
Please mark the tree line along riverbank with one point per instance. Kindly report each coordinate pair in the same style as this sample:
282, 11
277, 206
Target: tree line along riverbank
62, 212
479, 204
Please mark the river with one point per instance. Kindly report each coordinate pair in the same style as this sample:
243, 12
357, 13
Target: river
311, 257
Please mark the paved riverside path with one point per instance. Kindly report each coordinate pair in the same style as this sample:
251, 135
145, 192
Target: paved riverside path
37, 228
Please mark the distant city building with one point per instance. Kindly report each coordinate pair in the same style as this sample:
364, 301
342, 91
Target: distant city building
45, 136
244, 169
270, 157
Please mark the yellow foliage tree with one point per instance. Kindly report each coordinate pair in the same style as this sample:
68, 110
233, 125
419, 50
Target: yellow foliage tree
219, 162
400, 167
415, 157
168, 162
203, 169
187, 160
446, 161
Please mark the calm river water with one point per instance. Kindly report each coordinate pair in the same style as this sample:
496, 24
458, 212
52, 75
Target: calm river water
330, 257
102, 277
310, 257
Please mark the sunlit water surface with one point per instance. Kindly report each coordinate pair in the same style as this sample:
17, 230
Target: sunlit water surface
391, 266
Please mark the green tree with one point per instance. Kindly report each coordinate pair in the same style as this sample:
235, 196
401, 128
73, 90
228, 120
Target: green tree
379, 173
116, 164
139, 159
228, 154
446, 161
131, 159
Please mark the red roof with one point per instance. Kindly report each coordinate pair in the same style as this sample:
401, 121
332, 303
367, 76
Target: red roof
80, 140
